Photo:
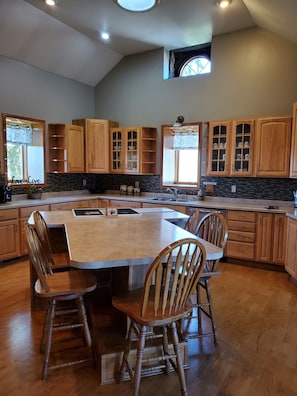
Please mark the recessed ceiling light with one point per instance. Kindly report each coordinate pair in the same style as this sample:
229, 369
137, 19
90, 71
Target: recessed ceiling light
224, 3
137, 5
105, 36
50, 2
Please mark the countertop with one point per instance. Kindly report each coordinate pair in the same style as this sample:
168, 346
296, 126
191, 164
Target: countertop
284, 207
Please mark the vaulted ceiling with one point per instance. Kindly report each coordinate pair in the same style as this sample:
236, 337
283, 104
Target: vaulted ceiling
65, 39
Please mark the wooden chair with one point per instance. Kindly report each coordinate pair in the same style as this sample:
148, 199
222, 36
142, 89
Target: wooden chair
59, 261
162, 302
192, 222
212, 227
58, 287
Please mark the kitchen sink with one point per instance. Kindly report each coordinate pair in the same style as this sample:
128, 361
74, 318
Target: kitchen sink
168, 199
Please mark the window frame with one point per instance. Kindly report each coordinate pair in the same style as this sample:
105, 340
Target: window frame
166, 140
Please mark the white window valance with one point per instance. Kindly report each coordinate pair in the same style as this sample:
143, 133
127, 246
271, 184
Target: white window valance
21, 134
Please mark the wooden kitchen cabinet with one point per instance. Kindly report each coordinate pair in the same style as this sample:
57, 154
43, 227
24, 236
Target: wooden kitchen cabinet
271, 238
293, 162
231, 148
96, 143
291, 255
133, 150
9, 234
273, 146
241, 234
242, 148
66, 148
219, 148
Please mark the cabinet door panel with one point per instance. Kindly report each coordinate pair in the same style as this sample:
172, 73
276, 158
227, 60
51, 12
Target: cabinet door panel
279, 239
264, 237
75, 149
273, 146
10, 239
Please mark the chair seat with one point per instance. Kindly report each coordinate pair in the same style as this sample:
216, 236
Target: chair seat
67, 283
131, 302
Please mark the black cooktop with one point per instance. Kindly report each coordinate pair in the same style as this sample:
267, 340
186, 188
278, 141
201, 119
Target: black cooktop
87, 212
126, 211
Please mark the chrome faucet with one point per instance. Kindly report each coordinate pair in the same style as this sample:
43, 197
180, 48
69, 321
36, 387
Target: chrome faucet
173, 191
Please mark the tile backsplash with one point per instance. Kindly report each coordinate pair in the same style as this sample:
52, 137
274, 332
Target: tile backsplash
248, 188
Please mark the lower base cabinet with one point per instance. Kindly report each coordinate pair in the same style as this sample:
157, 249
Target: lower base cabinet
241, 235
271, 238
9, 234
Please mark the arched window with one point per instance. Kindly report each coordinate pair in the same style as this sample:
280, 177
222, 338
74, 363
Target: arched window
190, 61
195, 65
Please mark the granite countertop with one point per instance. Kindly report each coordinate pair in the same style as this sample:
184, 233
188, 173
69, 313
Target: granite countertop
285, 207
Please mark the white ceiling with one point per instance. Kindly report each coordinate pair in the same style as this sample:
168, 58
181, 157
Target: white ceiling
66, 39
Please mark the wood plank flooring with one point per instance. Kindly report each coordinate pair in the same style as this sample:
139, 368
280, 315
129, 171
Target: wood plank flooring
256, 313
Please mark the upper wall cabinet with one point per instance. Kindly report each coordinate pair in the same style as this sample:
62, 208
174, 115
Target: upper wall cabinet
293, 164
218, 149
133, 150
259, 147
66, 148
96, 143
231, 148
273, 146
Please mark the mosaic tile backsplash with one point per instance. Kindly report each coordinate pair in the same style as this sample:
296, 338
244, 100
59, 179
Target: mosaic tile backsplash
248, 188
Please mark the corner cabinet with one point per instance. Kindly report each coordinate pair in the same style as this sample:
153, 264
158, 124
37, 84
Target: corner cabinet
66, 148
133, 150
96, 143
273, 143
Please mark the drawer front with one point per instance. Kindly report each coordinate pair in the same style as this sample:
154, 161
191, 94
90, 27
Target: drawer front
241, 216
241, 250
9, 214
241, 236
26, 212
241, 226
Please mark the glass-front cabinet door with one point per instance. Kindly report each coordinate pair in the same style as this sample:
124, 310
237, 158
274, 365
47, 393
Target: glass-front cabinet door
218, 154
243, 132
117, 150
132, 147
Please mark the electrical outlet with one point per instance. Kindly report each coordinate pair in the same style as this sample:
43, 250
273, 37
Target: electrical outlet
84, 182
233, 188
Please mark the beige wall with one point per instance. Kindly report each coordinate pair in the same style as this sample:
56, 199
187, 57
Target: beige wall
28, 91
254, 73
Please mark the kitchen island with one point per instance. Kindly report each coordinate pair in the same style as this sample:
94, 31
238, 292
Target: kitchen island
120, 249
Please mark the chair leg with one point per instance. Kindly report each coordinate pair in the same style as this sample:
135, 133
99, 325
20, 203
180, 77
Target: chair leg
139, 357
45, 327
125, 363
166, 349
84, 320
180, 368
211, 311
49, 323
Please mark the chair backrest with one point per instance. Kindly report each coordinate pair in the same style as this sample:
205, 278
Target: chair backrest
42, 231
172, 278
213, 228
192, 222
37, 256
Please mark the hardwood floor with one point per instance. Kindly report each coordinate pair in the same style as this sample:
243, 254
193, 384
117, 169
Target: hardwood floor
256, 315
